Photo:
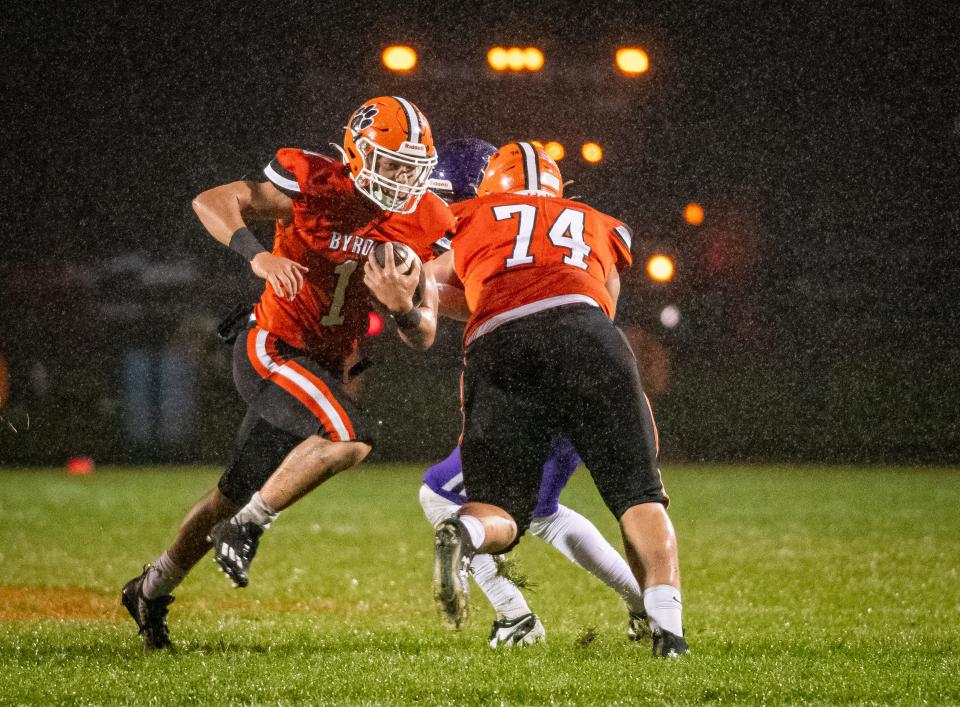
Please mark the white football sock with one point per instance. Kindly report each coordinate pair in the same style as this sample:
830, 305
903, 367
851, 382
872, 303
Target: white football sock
162, 577
507, 600
664, 607
474, 526
503, 594
257, 511
581, 543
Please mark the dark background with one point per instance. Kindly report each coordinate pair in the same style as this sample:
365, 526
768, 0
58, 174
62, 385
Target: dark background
819, 299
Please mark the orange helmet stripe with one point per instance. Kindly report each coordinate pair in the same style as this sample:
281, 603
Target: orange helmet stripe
414, 131
531, 166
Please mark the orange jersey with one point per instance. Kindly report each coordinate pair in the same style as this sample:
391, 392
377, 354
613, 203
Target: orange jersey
332, 231
512, 250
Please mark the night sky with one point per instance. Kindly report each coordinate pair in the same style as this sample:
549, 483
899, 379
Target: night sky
822, 141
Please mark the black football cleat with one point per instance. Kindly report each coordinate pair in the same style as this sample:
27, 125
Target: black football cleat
638, 626
521, 631
234, 546
150, 614
668, 645
453, 552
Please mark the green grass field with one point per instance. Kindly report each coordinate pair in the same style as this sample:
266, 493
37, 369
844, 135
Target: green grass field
801, 585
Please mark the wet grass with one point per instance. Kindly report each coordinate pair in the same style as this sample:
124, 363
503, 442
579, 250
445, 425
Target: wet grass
801, 585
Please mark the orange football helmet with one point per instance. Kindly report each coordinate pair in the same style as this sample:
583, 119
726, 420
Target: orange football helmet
521, 168
389, 148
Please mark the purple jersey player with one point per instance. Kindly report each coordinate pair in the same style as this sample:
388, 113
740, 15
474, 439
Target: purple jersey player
459, 170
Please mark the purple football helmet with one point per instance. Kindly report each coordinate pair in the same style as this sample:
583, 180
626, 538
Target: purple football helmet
460, 165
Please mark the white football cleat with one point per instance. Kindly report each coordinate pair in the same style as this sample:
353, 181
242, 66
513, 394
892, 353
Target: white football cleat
521, 631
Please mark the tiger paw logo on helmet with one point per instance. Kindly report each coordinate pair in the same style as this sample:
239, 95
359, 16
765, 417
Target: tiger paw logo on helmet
363, 118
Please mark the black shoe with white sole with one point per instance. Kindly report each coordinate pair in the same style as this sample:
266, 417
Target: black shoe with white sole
668, 645
234, 546
150, 614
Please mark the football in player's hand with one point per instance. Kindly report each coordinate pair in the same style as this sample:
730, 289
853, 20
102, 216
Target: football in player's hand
405, 260
403, 256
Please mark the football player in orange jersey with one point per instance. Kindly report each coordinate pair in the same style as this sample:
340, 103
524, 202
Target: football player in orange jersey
292, 356
459, 171
541, 280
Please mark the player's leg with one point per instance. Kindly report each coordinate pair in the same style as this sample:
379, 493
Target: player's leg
503, 449
579, 541
507, 600
514, 623
441, 497
612, 428
147, 596
296, 395
309, 464
260, 448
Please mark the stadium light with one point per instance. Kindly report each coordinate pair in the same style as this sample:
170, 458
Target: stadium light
533, 58
670, 316
399, 58
632, 61
693, 214
660, 268
555, 150
515, 59
592, 152
497, 58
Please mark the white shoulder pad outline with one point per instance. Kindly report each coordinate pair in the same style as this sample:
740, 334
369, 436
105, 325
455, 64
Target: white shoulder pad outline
281, 177
625, 235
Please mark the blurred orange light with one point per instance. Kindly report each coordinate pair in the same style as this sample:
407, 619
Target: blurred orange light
660, 268
555, 150
534, 58
537, 143
516, 59
497, 58
399, 58
592, 152
693, 214
632, 61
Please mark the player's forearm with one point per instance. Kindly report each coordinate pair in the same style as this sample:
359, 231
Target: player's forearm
452, 301
418, 328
